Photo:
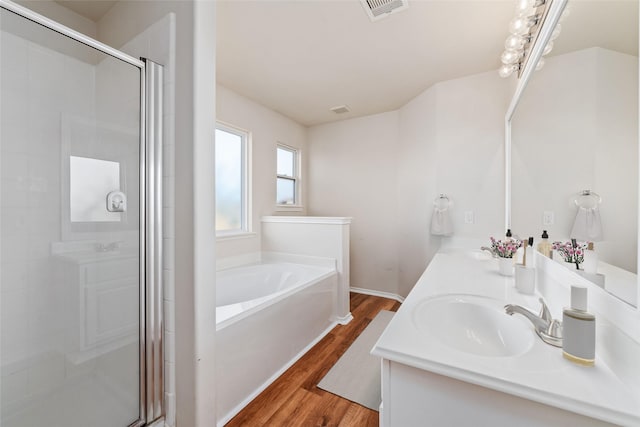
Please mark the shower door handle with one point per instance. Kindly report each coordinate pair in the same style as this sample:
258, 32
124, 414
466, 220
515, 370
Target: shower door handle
116, 201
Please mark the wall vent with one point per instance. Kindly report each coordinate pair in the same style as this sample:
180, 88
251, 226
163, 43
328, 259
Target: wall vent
378, 9
340, 109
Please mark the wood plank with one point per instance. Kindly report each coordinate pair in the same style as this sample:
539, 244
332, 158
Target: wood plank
359, 416
294, 398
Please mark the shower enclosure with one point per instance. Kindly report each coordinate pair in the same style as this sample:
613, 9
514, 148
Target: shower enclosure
80, 224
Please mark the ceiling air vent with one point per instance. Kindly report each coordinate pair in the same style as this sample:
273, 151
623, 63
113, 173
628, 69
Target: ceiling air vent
378, 9
340, 109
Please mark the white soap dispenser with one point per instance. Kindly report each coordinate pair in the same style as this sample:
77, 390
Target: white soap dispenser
579, 330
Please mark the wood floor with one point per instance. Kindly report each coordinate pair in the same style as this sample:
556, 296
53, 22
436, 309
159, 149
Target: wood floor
295, 400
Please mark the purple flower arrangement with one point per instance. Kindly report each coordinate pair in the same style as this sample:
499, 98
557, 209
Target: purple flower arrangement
505, 249
570, 252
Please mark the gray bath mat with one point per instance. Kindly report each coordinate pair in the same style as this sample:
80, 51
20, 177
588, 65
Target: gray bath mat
356, 375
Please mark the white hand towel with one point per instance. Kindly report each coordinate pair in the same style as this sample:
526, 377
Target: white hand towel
441, 224
587, 225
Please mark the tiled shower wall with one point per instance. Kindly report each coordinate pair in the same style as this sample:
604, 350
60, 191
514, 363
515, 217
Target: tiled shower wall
157, 43
33, 338
37, 86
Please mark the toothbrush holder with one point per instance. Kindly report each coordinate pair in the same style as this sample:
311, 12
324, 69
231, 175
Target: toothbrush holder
525, 279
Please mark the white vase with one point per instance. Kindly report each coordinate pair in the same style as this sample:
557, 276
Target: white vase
571, 265
505, 266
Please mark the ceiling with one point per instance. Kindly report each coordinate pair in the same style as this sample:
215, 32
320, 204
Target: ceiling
301, 58
91, 9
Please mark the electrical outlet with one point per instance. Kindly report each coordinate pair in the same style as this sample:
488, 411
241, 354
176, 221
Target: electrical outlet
468, 217
547, 218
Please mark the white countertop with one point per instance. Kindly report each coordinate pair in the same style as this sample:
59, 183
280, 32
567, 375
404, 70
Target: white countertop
90, 257
541, 374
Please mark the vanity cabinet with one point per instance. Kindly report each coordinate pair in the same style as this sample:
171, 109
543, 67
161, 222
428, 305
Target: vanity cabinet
413, 397
444, 368
103, 298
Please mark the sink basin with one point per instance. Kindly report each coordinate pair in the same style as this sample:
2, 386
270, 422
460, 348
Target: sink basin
474, 254
479, 255
473, 324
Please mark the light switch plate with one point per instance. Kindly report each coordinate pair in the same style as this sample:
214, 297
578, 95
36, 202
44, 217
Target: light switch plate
469, 217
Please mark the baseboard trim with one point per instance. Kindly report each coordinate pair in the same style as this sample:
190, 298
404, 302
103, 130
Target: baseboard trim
382, 294
344, 320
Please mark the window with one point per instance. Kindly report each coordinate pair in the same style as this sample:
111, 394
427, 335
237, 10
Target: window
287, 193
231, 180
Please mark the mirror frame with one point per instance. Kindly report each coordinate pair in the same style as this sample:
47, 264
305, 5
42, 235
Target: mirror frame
553, 17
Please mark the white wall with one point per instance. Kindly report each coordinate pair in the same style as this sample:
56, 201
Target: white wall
470, 156
353, 173
576, 129
385, 171
417, 152
267, 128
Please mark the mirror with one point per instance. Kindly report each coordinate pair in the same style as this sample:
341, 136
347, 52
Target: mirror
575, 130
90, 181
99, 164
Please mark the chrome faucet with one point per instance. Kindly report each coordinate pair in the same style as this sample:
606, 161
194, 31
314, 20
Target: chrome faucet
547, 328
108, 247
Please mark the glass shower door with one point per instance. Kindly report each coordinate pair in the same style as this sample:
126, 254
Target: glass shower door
70, 230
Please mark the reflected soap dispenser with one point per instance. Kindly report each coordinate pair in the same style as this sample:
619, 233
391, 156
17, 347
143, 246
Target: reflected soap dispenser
579, 330
544, 247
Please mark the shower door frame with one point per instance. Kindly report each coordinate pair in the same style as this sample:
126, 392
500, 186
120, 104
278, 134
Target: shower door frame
151, 362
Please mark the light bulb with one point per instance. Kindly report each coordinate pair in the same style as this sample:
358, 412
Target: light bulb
540, 64
506, 70
548, 48
519, 26
524, 7
556, 32
528, 7
510, 56
514, 42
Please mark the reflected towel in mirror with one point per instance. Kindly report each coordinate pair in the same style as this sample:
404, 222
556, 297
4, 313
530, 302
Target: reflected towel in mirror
587, 225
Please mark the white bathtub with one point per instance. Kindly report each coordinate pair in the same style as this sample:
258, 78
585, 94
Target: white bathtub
267, 317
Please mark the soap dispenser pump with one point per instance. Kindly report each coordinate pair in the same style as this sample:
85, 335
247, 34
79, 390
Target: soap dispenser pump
579, 329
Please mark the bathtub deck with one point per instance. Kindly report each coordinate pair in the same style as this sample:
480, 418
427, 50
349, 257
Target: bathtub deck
295, 400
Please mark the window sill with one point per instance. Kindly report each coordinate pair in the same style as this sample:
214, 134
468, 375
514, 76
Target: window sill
289, 208
235, 235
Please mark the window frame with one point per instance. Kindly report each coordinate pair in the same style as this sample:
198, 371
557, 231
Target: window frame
245, 229
296, 178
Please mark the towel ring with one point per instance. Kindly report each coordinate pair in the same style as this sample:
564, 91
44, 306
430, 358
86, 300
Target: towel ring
441, 202
587, 199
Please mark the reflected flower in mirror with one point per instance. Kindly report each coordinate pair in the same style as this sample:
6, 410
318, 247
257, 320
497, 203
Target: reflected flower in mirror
571, 253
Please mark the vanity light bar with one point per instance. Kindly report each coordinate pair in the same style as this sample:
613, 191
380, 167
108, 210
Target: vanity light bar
523, 33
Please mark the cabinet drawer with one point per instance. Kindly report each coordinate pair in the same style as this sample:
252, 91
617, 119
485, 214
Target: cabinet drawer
111, 270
